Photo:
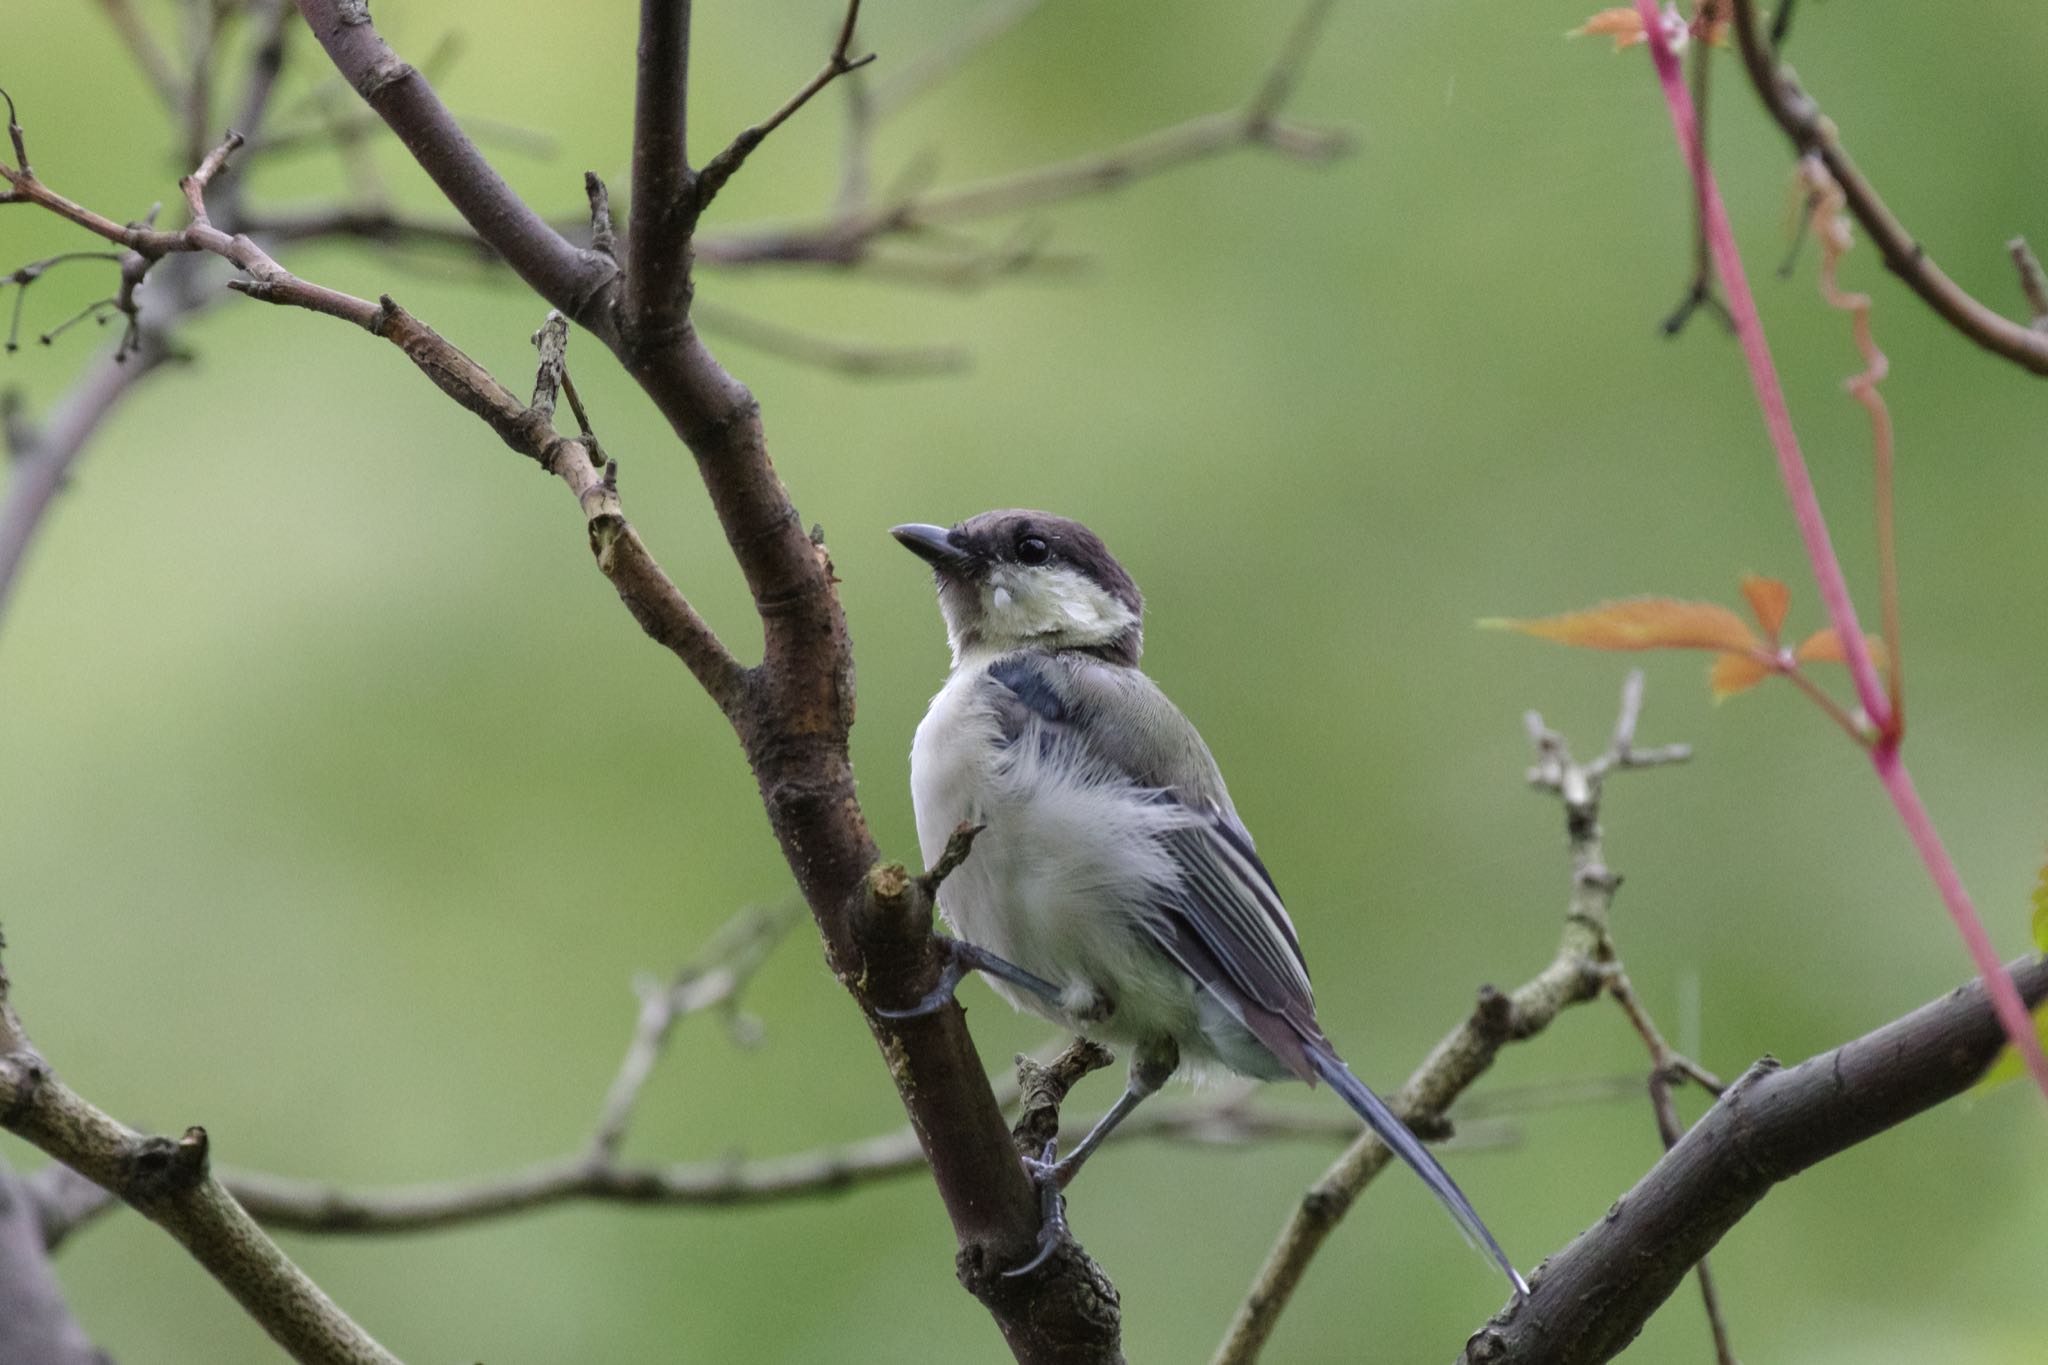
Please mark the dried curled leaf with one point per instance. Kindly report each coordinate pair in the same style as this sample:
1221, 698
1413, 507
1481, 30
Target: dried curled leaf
1769, 599
1642, 623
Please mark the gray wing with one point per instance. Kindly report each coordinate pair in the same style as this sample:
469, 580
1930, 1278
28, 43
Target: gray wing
1225, 922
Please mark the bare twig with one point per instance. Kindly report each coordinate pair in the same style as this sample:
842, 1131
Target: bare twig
65, 1202
1226, 1118
2033, 280
857, 359
932, 66
1257, 124
714, 981
567, 276
1575, 975
1666, 1066
1811, 131
661, 609
722, 167
168, 1181
39, 469
1700, 292
148, 56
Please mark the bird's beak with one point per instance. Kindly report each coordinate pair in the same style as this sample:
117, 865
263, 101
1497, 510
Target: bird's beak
933, 544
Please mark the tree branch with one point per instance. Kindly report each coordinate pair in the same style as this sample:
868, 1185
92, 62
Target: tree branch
661, 213
39, 468
167, 1181
65, 1202
569, 277
722, 167
1591, 1299
1575, 975
36, 1324
1812, 131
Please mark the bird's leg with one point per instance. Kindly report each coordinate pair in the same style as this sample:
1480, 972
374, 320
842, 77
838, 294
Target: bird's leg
1150, 1066
961, 957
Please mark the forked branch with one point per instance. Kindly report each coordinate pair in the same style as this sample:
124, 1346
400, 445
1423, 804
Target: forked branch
1812, 131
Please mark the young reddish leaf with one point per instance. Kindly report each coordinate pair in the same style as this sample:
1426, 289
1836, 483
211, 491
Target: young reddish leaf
1735, 673
1825, 647
1643, 623
1768, 599
1622, 23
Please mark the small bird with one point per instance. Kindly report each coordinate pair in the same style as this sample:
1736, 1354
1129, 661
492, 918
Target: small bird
1113, 888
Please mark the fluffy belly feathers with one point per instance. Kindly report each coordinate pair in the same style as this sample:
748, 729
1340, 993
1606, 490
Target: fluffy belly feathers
1061, 879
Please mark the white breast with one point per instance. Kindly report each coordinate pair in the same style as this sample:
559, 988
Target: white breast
1063, 874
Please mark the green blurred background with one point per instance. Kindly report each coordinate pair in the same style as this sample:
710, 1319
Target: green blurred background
342, 802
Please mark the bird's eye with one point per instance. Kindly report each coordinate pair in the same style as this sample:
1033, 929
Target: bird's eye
1033, 550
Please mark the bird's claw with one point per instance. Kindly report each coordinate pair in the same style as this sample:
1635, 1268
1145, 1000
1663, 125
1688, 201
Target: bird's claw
958, 957
1046, 1173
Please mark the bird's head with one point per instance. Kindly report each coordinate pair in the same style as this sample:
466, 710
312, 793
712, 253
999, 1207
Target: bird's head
1019, 580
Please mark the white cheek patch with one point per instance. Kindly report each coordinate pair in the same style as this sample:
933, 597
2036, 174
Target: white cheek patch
1052, 605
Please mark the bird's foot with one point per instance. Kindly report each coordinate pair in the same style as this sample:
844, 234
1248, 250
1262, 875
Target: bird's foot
958, 957
1049, 1175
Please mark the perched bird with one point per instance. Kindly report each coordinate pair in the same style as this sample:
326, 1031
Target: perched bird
1113, 888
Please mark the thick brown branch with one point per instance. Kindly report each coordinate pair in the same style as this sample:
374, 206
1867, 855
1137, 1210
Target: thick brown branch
662, 213
1590, 1300
567, 276
1812, 131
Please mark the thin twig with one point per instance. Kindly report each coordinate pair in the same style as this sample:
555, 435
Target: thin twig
1667, 1065
1811, 131
931, 67
65, 1202
1576, 974
722, 167
148, 56
1257, 124
2033, 280
860, 360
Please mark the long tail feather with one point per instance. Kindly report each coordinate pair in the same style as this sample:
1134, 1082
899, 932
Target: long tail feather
1409, 1148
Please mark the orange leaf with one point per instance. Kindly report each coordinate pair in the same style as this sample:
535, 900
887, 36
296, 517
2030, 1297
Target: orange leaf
1643, 623
1768, 599
1736, 673
1825, 647
1622, 23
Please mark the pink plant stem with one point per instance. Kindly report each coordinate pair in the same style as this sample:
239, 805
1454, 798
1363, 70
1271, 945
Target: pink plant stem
1827, 569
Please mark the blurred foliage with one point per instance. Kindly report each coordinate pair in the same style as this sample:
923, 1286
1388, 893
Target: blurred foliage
343, 802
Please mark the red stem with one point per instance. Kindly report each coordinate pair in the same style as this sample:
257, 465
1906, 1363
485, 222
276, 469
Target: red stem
1827, 569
